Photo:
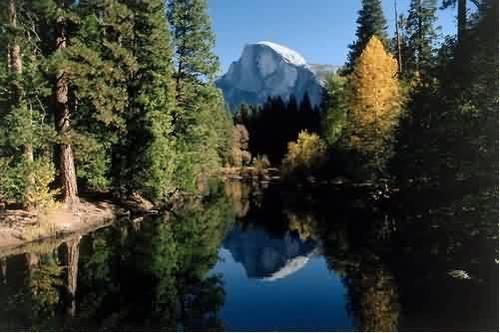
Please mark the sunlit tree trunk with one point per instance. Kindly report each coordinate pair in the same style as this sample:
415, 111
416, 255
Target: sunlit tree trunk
65, 163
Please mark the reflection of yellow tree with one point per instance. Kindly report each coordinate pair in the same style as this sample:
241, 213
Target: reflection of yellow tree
372, 294
304, 225
374, 299
239, 193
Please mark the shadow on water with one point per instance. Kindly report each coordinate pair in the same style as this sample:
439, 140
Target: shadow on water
249, 258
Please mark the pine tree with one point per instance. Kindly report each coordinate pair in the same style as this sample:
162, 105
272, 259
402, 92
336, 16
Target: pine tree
18, 101
62, 114
99, 65
24, 132
202, 123
421, 36
375, 100
147, 153
334, 108
371, 22
195, 62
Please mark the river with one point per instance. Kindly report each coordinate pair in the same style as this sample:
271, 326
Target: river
249, 258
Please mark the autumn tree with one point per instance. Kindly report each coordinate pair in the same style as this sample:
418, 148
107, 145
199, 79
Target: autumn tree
375, 103
239, 151
305, 155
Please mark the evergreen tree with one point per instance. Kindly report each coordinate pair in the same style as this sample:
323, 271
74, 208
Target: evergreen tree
24, 131
421, 36
334, 108
203, 126
195, 62
371, 22
99, 65
147, 152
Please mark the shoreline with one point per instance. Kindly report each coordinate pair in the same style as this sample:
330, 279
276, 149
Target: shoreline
20, 228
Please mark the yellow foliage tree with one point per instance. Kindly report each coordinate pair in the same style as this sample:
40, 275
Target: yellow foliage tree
305, 154
375, 102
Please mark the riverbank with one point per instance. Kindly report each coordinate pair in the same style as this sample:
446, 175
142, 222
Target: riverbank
20, 227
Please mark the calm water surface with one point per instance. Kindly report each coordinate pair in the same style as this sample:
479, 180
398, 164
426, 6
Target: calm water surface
251, 259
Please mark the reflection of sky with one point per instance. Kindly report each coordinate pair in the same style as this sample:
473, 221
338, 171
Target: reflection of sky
312, 298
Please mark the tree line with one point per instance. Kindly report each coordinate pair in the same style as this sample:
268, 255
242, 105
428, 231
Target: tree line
107, 95
414, 106
275, 123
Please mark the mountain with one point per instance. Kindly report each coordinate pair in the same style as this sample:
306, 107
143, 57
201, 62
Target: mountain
267, 69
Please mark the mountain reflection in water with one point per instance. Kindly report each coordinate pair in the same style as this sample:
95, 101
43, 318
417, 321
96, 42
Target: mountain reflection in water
267, 257
248, 258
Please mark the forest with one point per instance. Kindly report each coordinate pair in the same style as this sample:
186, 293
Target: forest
118, 97
376, 210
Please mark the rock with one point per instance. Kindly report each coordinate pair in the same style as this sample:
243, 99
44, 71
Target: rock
267, 69
340, 181
459, 274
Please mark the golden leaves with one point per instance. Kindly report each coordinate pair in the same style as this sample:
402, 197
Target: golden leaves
375, 98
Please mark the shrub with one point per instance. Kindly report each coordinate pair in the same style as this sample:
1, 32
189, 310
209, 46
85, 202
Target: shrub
306, 155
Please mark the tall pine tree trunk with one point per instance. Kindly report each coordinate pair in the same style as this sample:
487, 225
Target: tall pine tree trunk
16, 67
65, 162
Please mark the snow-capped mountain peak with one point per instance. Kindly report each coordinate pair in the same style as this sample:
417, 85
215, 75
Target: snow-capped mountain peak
266, 69
290, 56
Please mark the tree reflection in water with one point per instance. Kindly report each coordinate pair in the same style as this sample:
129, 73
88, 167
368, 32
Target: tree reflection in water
393, 256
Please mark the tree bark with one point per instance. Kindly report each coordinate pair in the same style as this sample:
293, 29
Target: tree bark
16, 67
65, 163
15, 50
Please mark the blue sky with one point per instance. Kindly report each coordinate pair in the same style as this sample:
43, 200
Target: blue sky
318, 29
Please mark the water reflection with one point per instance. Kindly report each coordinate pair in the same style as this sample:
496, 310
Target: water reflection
266, 257
247, 259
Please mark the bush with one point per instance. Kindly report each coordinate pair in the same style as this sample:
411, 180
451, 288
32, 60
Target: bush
306, 155
13, 182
